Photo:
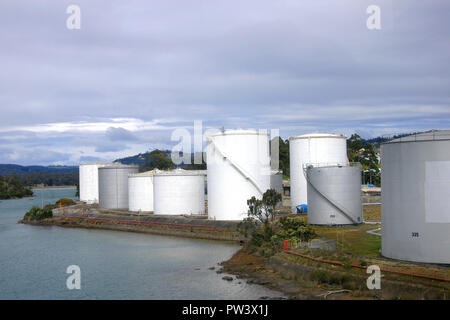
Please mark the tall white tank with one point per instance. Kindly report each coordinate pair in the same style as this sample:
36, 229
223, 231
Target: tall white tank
140, 191
238, 165
318, 148
334, 195
415, 193
88, 175
276, 181
179, 192
113, 186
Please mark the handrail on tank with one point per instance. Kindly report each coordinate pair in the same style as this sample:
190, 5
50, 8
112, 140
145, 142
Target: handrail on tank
433, 135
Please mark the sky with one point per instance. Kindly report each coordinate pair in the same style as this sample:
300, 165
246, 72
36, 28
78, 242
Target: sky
136, 71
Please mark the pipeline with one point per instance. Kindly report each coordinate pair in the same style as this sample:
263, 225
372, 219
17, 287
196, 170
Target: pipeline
364, 267
138, 222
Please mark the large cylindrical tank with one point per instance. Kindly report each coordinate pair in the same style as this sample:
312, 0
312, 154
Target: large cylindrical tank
88, 175
113, 186
179, 192
276, 181
334, 195
140, 191
415, 196
238, 165
318, 149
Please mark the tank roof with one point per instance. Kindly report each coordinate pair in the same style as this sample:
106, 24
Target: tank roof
433, 135
96, 163
181, 172
120, 166
150, 173
318, 135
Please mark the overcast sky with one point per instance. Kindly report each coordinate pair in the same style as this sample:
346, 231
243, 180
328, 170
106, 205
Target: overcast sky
137, 70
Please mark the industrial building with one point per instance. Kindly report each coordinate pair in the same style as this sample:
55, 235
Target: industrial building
140, 191
179, 192
88, 180
320, 149
238, 166
415, 175
334, 194
113, 185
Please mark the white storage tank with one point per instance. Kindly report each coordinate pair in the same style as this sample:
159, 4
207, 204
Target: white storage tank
179, 192
113, 186
334, 195
140, 191
88, 175
415, 193
276, 181
238, 165
317, 148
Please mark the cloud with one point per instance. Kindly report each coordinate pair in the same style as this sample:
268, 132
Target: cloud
136, 71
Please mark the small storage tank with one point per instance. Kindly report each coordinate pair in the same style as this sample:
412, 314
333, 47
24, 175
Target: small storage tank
113, 186
334, 195
318, 148
88, 175
238, 165
179, 192
415, 196
140, 191
276, 181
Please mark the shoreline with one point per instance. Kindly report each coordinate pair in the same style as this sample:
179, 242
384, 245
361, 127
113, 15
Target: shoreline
292, 275
301, 279
90, 217
52, 187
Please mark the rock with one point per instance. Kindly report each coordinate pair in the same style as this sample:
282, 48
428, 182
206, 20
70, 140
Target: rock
227, 278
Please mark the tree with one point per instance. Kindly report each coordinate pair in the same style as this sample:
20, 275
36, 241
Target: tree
270, 200
264, 210
157, 159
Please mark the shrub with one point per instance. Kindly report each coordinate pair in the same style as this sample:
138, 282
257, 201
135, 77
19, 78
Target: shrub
36, 213
64, 202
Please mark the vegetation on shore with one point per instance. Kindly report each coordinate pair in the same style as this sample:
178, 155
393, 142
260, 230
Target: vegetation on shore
267, 234
37, 213
12, 188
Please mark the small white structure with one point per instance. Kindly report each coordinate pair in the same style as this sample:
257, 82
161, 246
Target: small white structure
113, 186
88, 175
334, 195
317, 148
179, 192
238, 165
415, 210
140, 191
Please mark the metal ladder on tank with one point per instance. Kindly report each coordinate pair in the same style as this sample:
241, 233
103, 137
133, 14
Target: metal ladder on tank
241, 170
335, 204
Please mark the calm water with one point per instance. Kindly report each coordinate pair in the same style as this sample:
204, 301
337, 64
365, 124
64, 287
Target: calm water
114, 265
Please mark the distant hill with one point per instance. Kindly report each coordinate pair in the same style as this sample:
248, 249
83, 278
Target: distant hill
138, 159
10, 169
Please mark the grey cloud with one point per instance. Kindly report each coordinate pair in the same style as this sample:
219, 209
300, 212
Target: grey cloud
293, 65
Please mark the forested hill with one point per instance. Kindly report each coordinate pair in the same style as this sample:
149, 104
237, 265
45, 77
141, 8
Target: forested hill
12, 187
14, 169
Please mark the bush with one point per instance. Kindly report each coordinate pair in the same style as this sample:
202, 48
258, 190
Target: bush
64, 202
36, 213
293, 229
323, 276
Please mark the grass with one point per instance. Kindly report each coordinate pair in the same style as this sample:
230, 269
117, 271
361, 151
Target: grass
353, 239
372, 213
